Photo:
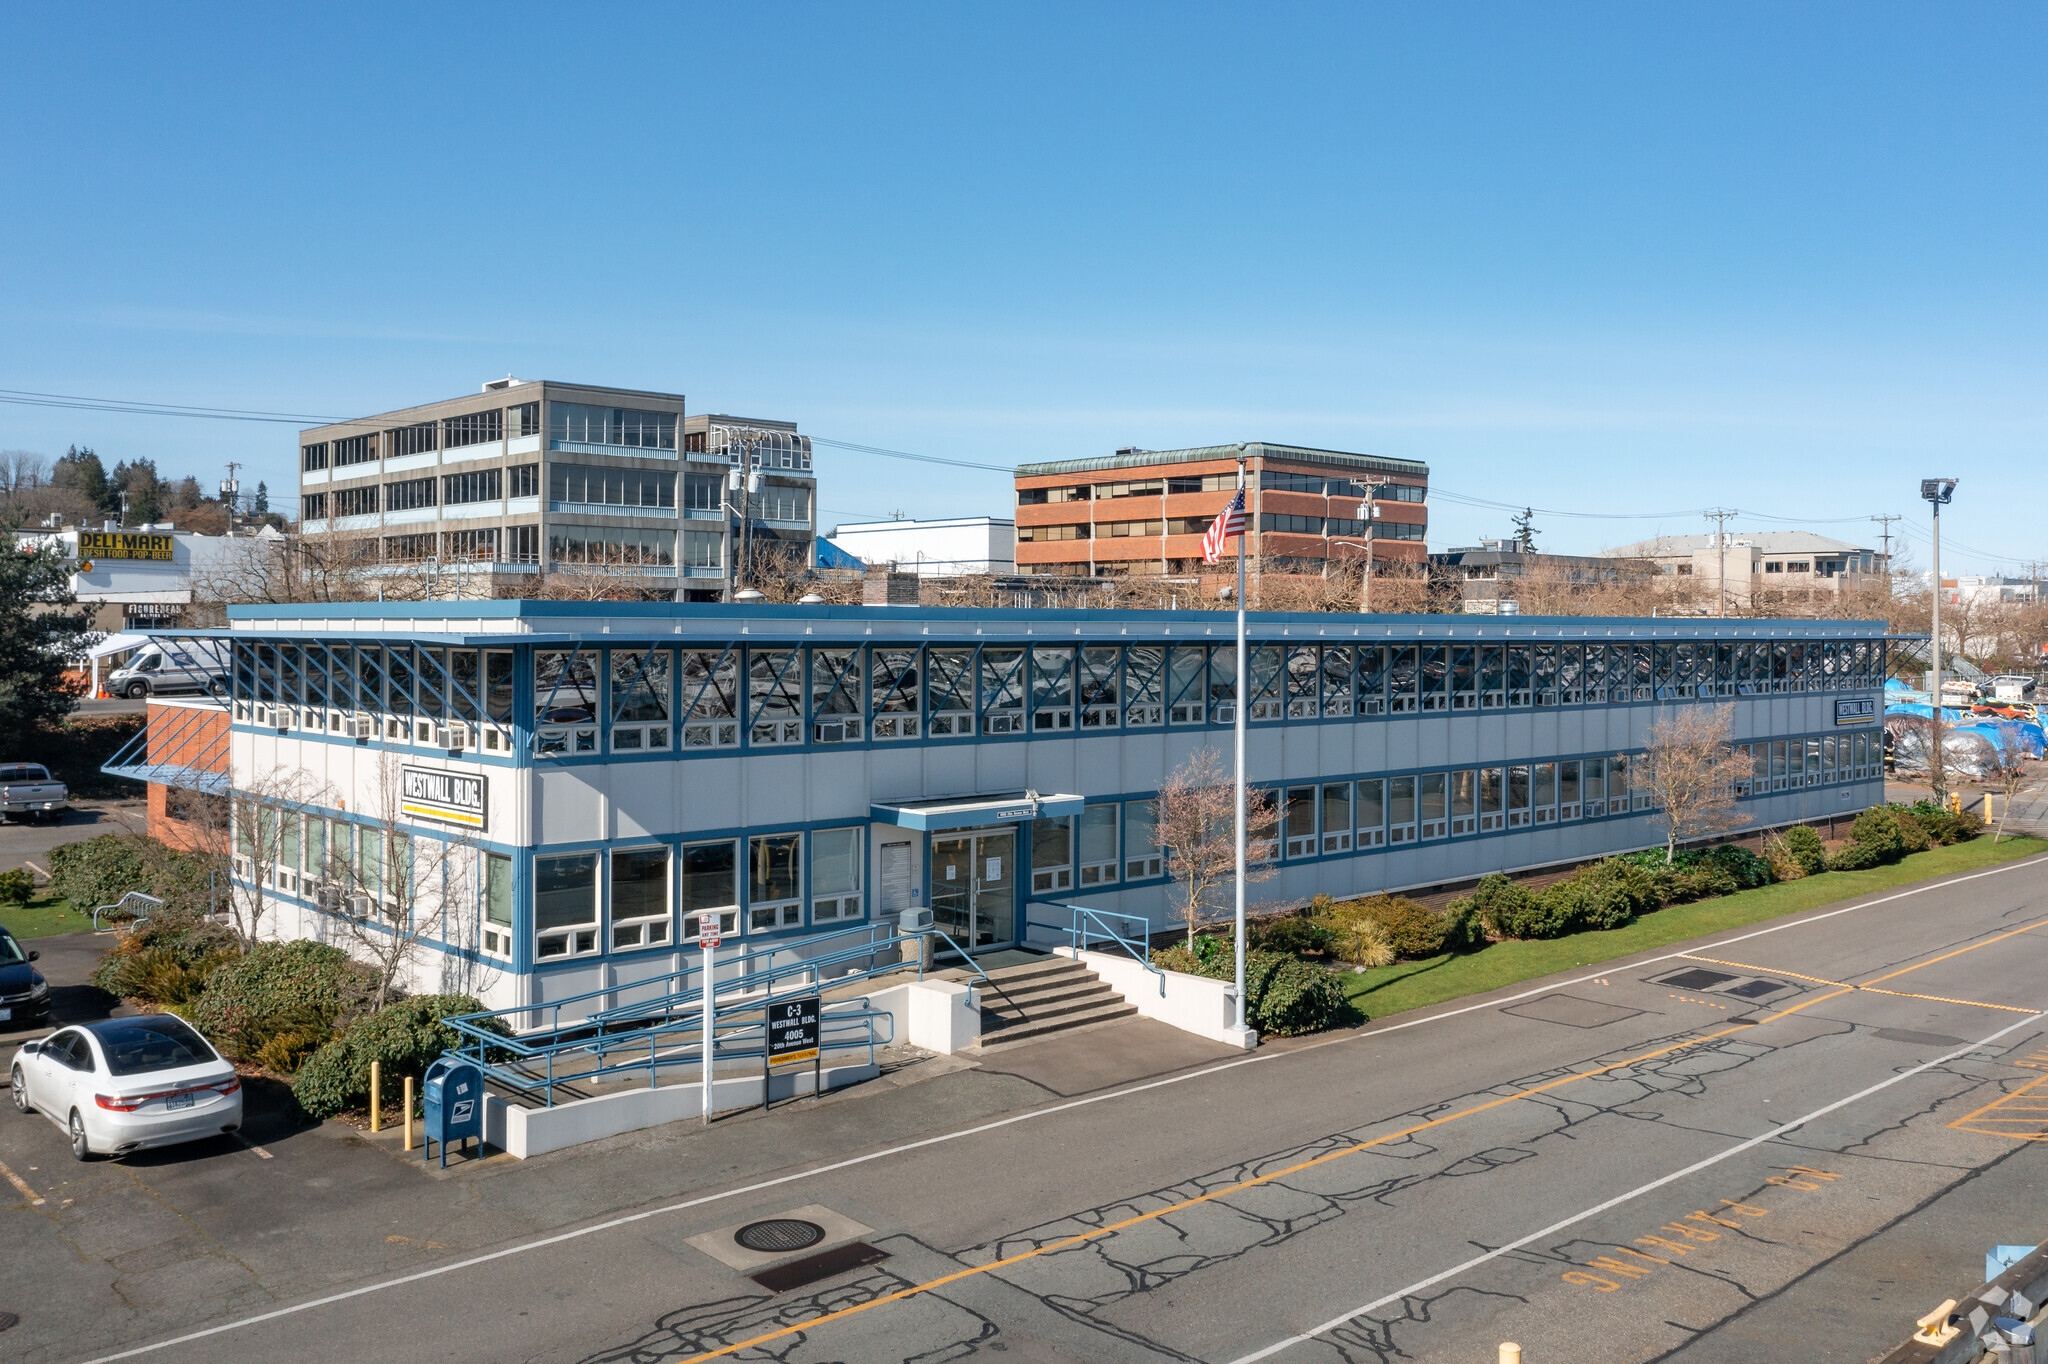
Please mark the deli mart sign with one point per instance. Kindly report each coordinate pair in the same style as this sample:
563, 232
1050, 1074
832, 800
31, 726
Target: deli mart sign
451, 797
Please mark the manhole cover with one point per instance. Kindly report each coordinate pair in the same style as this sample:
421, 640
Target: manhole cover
779, 1234
8, 1319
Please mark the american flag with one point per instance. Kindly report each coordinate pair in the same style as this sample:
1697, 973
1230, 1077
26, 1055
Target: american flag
1230, 523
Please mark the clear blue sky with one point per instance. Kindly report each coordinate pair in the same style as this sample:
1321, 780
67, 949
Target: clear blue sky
1606, 258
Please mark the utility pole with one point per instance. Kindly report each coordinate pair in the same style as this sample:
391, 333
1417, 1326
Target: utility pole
229, 488
1936, 491
1719, 516
1886, 533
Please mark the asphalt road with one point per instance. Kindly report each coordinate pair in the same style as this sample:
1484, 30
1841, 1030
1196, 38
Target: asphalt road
1612, 1165
21, 843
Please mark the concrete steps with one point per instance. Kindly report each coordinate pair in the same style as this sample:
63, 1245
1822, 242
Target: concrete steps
1032, 1000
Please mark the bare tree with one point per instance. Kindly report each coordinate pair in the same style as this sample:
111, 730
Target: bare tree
263, 816
2008, 768
1691, 771
1196, 824
342, 566
395, 884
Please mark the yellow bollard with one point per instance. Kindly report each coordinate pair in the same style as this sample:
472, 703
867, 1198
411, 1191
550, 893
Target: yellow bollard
408, 1112
376, 1095
1988, 820
1510, 1353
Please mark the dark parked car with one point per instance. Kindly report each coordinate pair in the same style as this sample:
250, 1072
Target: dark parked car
24, 994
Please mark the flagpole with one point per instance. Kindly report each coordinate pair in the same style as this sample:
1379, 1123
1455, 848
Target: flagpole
1243, 701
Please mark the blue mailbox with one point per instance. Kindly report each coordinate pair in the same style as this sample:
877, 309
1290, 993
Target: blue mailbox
455, 1102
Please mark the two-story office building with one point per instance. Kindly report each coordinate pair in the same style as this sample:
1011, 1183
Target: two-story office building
526, 476
609, 778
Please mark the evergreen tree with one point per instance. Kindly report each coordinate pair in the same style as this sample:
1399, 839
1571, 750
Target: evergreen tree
1525, 530
36, 641
260, 506
81, 471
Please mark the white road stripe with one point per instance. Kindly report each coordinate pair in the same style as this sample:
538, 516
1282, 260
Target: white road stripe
1034, 1114
1455, 1270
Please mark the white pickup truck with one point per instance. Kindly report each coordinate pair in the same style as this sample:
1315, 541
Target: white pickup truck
28, 791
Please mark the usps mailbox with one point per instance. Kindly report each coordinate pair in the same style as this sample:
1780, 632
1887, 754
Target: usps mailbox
455, 1102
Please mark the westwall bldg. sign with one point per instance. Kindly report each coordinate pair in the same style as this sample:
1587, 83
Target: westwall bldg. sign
449, 797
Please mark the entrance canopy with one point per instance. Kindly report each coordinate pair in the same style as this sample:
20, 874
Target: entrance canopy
967, 812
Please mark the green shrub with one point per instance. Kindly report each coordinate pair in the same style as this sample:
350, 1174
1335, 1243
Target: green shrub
1289, 997
1707, 878
1585, 900
1292, 934
1913, 835
1413, 929
17, 887
1748, 869
1878, 830
1853, 856
404, 1038
279, 987
1806, 848
1942, 825
1464, 929
1509, 910
134, 967
97, 871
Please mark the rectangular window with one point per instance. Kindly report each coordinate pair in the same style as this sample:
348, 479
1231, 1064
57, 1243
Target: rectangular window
640, 916
564, 703
612, 426
608, 487
774, 882
525, 480
313, 457
1002, 690
703, 549
640, 700
1617, 784
409, 549
1546, 792
1223, 684
1567, 791
1336, 823
1370, 813
316, 849
1401, 810
1144, 684
951, 674
1464, 802
354, 450
417, 439
1052, 854
497, 906
357, 501
775, 699
1098, 845
1518, 796
1096, 683
1435, 677
478, 485
1372, 679
1430, 797
523, 545
779, 502
835, 696
1595, 802
473, 428
835, 875
1464, 677
475, 546
1186, 685
1298, 821
528, 417
893, 692
1052, 690
708, 698
1404, 680
613, 546
710, 887
564, 904
409, 495
703, 492
1303, 682
1521, 675
1336, 681
1142, 857
313, 507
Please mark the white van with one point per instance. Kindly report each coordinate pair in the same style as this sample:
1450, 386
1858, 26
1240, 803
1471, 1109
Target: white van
162, 669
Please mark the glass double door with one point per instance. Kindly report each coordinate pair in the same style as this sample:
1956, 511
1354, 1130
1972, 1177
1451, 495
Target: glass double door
974, 885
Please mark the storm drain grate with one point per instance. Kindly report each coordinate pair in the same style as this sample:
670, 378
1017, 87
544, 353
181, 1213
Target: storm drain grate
779, 1235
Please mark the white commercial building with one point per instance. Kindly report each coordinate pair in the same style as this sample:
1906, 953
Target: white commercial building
945, 549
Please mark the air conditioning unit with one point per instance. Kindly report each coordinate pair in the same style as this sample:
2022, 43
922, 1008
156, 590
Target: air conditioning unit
366, 729
359, 906
452, 736
1005, 724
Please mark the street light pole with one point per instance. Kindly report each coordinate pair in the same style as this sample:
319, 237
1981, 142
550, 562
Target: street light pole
1936, 491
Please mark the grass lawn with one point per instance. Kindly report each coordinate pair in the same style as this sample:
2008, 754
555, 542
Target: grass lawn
1415, 984
44, 915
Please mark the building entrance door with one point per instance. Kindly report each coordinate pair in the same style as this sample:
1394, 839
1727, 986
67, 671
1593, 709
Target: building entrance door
974, 886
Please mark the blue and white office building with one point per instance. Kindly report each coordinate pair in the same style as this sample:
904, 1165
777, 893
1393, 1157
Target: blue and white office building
612, 775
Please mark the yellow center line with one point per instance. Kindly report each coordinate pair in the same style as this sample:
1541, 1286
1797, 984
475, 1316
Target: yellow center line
1772, 970
1871, 988
1944, 999
1080, 1238
1957, 953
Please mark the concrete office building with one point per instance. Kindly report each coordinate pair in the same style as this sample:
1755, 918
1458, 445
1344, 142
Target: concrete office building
1144, 511
526, 476
1760, 564
619, 773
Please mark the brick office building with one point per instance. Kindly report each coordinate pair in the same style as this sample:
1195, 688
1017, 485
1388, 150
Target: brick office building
1144, 511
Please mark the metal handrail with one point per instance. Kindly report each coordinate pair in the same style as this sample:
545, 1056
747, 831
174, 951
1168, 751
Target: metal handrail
1078, 935
738, 1043
121, 907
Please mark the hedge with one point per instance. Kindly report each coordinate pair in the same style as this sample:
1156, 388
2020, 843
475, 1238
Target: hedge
404, 1038
1283, 995
303, 987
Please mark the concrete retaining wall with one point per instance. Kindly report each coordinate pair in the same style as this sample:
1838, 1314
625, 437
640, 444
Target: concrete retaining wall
1196, 1004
